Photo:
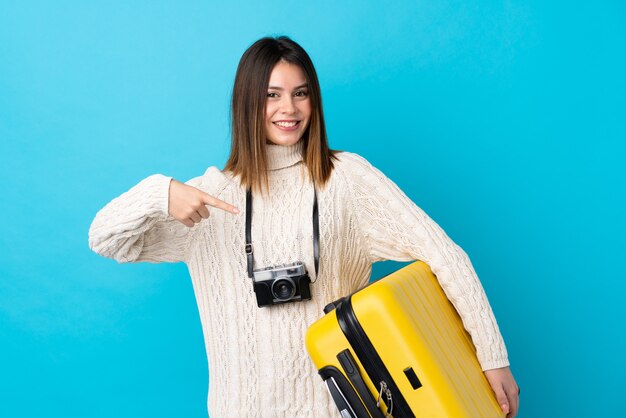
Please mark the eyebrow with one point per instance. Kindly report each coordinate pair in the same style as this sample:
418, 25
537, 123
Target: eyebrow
295, 88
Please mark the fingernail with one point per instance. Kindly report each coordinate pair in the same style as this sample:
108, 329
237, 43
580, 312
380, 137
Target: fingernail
236, 210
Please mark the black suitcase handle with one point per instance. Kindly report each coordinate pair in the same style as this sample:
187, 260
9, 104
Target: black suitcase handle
333, 305
354, 376
346, 399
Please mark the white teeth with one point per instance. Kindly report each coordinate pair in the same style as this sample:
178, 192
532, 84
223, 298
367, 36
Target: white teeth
286, 124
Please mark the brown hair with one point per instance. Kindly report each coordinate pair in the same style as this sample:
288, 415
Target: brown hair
248, 158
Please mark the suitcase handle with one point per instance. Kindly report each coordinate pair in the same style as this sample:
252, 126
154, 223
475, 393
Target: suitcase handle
351, 369
333, 305
343, 393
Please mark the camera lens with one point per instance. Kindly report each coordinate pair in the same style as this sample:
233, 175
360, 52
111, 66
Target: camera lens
283, 289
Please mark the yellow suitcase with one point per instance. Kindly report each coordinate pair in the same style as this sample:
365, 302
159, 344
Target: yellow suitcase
398, 348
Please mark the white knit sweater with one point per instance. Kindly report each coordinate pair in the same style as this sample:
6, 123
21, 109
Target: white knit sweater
257, 360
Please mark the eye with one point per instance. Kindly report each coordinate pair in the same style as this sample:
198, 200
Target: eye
302, 93
272, 94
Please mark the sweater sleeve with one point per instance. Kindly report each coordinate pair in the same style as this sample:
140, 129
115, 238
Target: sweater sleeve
136, 226
394, 228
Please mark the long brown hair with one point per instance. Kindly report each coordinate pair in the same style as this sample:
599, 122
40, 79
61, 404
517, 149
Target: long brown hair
248, 158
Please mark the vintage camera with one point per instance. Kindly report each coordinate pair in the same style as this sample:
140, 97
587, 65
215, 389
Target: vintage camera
280, 284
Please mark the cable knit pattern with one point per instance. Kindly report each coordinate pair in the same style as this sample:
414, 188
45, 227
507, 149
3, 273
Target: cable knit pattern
257, 360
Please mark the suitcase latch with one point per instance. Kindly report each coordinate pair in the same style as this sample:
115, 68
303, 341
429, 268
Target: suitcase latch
385, 390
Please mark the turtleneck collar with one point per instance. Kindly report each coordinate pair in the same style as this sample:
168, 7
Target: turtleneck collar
283, 156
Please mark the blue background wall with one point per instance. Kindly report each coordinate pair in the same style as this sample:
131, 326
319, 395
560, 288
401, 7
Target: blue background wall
505, 121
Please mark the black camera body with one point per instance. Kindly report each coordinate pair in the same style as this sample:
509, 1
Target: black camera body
281, 284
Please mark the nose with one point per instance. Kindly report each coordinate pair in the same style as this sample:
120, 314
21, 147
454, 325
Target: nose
288, 105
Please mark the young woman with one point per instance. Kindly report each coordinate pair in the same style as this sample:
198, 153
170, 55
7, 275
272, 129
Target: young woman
257, 360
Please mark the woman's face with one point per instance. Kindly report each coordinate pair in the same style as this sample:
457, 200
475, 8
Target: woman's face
288, 107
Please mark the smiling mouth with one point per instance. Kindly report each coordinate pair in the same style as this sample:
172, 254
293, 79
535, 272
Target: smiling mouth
286, 124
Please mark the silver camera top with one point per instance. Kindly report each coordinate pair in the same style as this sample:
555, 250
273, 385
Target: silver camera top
289, 270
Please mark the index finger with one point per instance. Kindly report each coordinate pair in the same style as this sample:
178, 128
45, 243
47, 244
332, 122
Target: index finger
220, 204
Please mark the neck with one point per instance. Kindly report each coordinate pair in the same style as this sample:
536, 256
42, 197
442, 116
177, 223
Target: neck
283, 156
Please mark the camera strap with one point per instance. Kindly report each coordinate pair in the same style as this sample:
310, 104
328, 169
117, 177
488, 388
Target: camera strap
316, 233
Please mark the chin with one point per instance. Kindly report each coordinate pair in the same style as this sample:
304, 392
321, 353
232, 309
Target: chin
284, 141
